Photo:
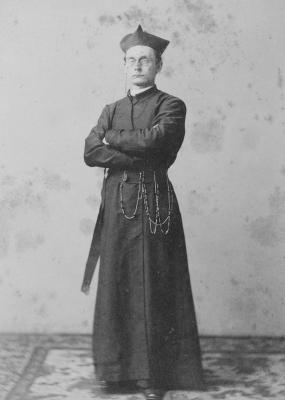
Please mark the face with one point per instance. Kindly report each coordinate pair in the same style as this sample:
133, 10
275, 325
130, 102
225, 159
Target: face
141, 66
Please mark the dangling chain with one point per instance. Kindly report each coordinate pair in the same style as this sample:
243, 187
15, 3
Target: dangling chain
142, 194
138, 198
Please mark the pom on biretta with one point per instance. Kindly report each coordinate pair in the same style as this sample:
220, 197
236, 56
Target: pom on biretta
143, 38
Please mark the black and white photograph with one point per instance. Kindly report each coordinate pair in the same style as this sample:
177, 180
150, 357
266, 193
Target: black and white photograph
142, 200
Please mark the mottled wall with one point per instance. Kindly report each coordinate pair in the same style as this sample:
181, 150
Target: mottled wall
60, 63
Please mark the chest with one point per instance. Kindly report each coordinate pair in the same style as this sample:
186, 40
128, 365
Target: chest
134, 115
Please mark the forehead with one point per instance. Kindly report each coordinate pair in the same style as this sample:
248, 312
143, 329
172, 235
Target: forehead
140, 51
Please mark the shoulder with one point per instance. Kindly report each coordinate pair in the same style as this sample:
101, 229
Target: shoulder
112, 106
172, 103
171, 100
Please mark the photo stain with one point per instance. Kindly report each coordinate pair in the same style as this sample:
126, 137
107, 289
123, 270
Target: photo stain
90, 44
176, 39
266, 231
207, 136
269, 118
93, 202
136, 15
270, 230
54, 181
230, 103
202, 16
34, 298
107, 20
52, 295
197, 202
28, 241
277, 201
168, 72
8, 180
222, 115
18, 293
87, 226
235, 282
133, 15
21, 198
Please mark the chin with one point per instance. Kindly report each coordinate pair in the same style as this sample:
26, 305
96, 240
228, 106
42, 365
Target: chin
140, 82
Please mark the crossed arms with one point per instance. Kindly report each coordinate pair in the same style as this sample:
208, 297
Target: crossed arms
130, 147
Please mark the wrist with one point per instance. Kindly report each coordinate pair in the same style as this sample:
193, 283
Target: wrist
109, 135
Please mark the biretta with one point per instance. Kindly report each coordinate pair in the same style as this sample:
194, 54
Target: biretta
143, 38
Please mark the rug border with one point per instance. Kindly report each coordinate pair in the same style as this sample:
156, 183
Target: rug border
40, 353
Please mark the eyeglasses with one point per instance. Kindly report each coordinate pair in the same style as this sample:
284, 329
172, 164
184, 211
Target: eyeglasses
142, 61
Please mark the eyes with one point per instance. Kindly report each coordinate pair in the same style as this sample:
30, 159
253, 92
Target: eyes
143, 61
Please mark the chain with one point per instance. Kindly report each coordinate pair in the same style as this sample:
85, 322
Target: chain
143, 195
139, 196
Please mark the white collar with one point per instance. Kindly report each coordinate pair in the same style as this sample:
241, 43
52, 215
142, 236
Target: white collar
137, 91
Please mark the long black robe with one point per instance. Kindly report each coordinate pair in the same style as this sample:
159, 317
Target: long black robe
144, 325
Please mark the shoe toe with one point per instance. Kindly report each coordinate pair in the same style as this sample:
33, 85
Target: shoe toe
153, 394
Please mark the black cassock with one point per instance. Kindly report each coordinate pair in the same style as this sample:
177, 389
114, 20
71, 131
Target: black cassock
144, 325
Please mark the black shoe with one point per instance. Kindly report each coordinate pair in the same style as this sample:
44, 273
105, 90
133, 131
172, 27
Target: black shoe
153, 394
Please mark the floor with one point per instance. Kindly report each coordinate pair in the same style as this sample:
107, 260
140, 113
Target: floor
59, 367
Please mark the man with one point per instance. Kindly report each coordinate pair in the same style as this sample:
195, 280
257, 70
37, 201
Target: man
145, 329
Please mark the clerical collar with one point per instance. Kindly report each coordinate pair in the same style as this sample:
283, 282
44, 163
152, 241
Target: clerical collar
141, 90
143, 93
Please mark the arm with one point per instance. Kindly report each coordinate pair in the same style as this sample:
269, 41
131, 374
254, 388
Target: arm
167, 131
98, 154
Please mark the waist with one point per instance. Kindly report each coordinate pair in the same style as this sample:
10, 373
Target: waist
134, 176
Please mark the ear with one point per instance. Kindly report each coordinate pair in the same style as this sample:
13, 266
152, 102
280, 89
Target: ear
125, 65
159, 66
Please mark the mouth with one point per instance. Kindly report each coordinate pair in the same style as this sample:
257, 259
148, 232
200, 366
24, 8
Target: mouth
137, 76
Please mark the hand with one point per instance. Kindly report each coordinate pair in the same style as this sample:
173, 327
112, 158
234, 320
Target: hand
85, 289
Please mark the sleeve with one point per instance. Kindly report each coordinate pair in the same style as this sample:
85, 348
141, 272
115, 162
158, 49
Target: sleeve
98, 154
167, 131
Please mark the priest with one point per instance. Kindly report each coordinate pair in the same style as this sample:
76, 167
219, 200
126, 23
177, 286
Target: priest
145, 329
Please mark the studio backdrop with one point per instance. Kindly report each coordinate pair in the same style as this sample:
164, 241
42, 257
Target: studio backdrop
60, 63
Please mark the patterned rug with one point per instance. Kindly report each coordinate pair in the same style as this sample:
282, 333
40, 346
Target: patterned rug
60, 367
